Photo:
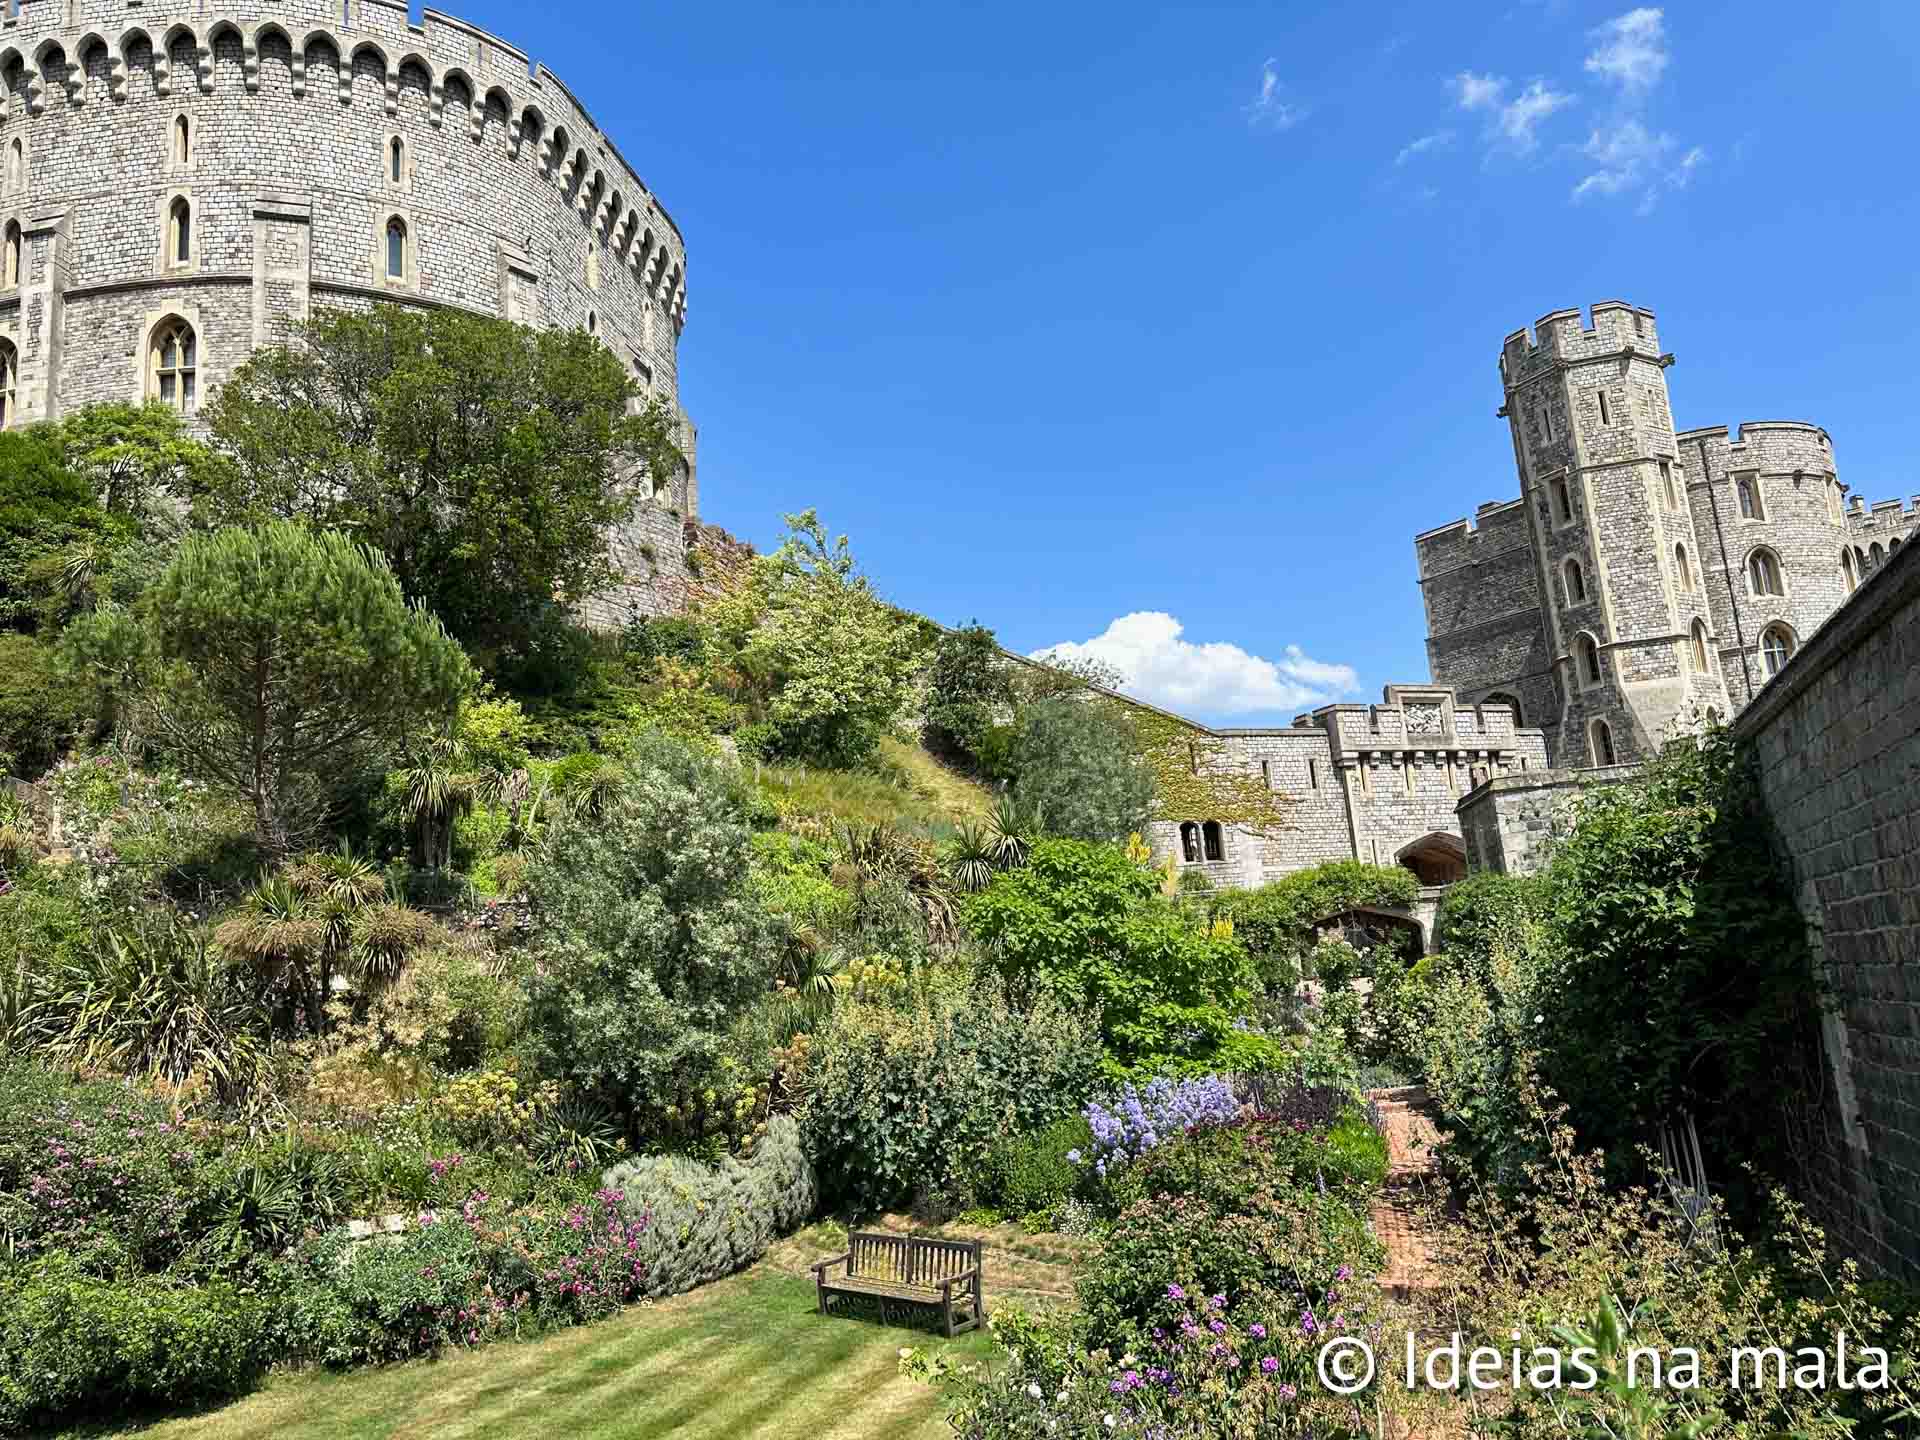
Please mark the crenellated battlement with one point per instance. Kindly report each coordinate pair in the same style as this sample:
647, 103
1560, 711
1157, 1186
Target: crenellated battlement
1495, 528
469, 76
1884, 517
1769, 447
1563, 337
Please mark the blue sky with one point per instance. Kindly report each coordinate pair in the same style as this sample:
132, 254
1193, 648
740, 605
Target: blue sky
1069, 313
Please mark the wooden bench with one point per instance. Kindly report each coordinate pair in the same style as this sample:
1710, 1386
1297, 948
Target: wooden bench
911, 1272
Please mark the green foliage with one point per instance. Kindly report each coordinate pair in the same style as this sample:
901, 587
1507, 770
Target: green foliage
482, 459
653, 938
1476, 913
1087, 925
273, 661
47, 512
1030, 1174
1228, 1166
43, 706
1281, 1246
1077, 766
833, 659
133, 455
1688, 976
76, 1346
1276, 921
967, 686
906, 1100
703, 1222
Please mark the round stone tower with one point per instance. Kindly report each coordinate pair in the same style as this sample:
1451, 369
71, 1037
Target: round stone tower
1623, 593
179, 179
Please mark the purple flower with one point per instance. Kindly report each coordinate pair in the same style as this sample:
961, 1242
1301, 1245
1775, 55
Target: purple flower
1218, 1302
1174, 1292
1308, 1325
1257, 1330
1269, 1365
1218, 1327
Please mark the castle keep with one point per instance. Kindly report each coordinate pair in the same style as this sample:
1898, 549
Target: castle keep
1646, 577
178, 182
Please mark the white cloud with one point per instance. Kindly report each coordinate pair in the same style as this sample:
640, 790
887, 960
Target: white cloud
1439, 140
1631, 50
1629, 159
1267, 110
1519, 119
1477, 92
1215, 678
1513, 122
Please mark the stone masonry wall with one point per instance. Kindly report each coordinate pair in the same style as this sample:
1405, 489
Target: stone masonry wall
1509, 823
1632, 535
1365, 781
513, 203
1837, 737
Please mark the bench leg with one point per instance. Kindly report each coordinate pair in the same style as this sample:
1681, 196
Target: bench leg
820, 1284
946, 1308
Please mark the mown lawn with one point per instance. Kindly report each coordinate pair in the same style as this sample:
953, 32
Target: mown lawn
745, 1357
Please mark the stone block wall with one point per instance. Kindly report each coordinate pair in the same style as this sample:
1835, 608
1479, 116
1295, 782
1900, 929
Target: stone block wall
1837, 738
1509, 822
275, 125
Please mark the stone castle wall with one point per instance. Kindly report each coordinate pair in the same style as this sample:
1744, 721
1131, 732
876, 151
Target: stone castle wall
1837, 736
510, 200
1614, 600
1378, 783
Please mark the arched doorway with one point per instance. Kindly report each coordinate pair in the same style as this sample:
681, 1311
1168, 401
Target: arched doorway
1437, 858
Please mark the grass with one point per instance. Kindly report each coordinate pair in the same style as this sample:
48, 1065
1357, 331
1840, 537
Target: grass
745, 1357
908, 788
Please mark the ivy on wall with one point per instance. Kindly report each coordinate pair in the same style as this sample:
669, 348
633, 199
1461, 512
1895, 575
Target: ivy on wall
1195, 777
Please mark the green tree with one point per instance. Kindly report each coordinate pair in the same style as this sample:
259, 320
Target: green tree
133, 454
967, 683
835, 659
277, 663
1078, 767
654, 937
486, 461
46, 511
1089, 926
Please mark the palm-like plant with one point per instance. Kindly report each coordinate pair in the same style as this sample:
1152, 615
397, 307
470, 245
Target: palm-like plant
969, 858
438, 792
1010, 833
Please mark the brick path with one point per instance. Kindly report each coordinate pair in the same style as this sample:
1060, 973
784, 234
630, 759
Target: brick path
1399, 1213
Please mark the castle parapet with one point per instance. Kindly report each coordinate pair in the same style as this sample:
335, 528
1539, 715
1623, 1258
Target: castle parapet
1563, 336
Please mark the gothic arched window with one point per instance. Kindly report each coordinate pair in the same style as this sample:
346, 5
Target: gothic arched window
397, 160
396, 249
180, 231
1190, 843
1700, 647
1603, 751
1589, 649
1751, 505
1576, 583
182, 140
12, 262
1847, 572
1776, 648
1763, 573
1215, 840
173, 365
1682, 571
9, 385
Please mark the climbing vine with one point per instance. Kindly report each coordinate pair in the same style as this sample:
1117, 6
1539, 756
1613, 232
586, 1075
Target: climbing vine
1195, 777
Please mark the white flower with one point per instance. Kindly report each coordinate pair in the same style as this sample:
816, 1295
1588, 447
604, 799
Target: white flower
1033, 1389
1062, 1395
1111, 1422
905, 1351
1539, 1019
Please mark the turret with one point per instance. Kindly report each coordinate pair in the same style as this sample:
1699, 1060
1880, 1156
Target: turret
1624, 601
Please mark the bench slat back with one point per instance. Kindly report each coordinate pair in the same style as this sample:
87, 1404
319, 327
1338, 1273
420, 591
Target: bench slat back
908, 1259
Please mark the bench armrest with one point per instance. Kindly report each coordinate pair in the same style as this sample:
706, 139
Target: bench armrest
839, 1259
959, 1275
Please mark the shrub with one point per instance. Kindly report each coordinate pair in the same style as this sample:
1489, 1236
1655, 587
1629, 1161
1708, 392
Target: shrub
1077, 764
41, 707
1287, 1248
904, 1101
706, 1221
97, 1172
967, 684
652, 939
1087, 924
1032, 1173
75, 1346
459, 1277
1228, 1166
1276, 921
